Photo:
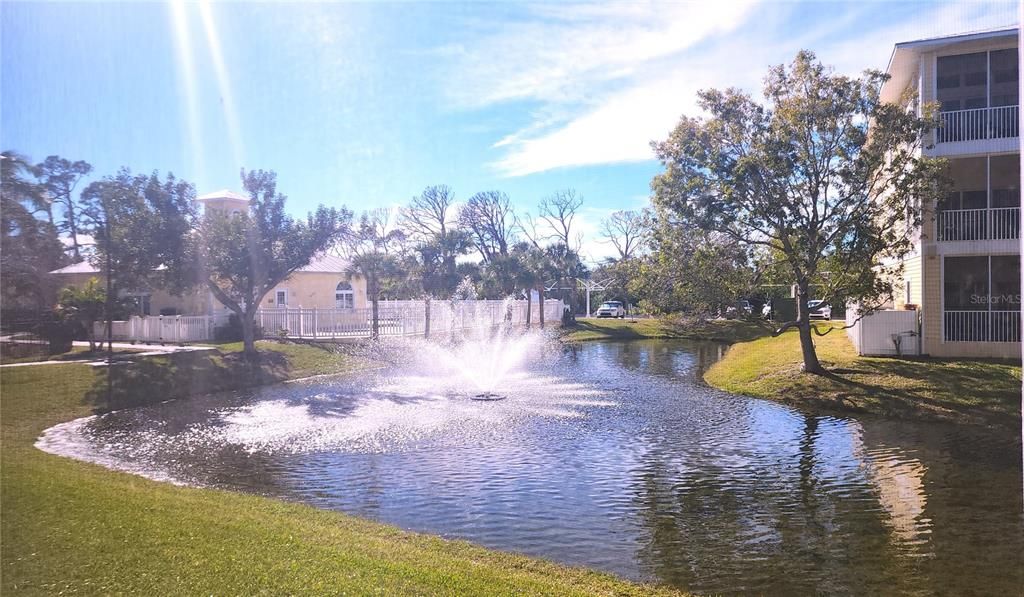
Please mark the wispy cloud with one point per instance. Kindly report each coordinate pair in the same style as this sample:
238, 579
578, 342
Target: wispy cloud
563, 53
604, 80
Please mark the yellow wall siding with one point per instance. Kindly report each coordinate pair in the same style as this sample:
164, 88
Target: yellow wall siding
931, 303
305, 289
911, 275
316, 290
195, 302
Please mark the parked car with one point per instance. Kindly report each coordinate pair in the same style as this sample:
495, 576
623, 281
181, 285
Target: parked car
611, 309
819, 309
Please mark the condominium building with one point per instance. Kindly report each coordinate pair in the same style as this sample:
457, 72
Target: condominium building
963, 274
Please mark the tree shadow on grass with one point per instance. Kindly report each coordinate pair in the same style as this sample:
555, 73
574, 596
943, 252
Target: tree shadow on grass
974, 391
179, 375
727, 330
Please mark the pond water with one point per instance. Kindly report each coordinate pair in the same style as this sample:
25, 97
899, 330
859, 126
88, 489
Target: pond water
613, 456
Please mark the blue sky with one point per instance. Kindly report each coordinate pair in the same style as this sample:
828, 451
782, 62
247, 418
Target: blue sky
366, 104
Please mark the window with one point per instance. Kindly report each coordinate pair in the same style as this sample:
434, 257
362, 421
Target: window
1004, 176
282, 298
1003, 77
962, 78
981, 298
344, 297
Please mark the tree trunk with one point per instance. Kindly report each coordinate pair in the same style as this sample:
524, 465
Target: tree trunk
73, 230
248, 333
375, 317
810, 355
90, 334
529, 305
540, 299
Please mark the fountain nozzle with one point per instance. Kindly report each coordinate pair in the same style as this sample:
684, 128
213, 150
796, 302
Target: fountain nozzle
488, 396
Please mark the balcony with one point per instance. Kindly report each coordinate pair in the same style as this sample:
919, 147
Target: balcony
978, 124
997, 223
981, 326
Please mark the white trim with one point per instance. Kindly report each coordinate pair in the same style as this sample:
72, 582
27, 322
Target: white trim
350, 292
942, 299
277, 295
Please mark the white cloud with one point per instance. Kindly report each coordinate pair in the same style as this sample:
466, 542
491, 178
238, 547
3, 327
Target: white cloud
561, 53
610, 78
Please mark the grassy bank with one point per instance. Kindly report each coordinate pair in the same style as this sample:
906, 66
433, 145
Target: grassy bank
722, 330
983, 392
75, 528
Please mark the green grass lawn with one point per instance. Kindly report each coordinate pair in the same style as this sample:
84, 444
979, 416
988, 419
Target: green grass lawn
74, 528
724, 330
971, 391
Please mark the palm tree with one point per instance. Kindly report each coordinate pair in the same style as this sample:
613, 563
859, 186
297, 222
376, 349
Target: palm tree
375, 267
530, 275
367, 250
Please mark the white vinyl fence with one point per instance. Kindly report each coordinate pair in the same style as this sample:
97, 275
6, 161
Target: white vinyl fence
884, 333
403, 318
162, 328
394, 318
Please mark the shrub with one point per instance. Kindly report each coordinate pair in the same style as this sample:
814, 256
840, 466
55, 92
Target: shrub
232, 332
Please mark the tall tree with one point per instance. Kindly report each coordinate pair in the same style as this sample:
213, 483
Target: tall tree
801, 174
431, 221
59, 177
559, 212
718, 270
244, 256
29, 247
369, 250
141, 224
490, 220
627, 231
562, 269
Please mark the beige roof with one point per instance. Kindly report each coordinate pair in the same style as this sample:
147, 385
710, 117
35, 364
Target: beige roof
327, 264
223, 194
82, 267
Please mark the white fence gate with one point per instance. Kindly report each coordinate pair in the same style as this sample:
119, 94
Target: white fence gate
884, 333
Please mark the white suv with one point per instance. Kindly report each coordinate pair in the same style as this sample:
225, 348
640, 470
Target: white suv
611, 309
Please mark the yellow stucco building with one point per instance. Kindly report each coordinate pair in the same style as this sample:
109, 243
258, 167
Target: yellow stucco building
322, 284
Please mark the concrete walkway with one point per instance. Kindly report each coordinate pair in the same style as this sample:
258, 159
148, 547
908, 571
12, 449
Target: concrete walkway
144, 350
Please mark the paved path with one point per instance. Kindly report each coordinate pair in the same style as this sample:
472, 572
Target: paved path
144, 350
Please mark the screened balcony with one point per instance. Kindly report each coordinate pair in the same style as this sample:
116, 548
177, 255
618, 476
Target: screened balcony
985, 201
981, 299
978, 96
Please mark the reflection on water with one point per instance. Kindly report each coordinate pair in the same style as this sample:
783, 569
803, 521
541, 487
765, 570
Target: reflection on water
610, 455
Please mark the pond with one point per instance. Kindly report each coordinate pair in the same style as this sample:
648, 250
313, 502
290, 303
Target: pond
613, 456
